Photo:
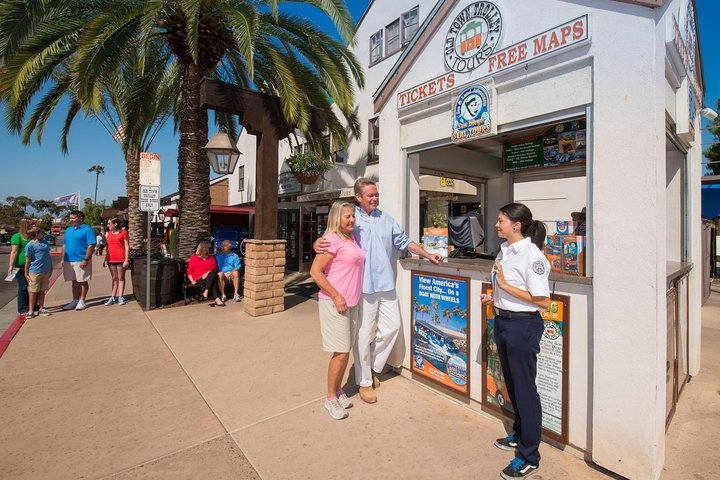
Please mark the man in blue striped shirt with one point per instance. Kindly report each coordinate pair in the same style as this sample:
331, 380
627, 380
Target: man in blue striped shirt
380, 237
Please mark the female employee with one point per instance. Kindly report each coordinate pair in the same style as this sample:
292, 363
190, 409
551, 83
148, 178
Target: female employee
520, 291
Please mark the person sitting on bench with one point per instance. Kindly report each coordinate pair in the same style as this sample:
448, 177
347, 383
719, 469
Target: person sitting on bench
202, 270
228, 264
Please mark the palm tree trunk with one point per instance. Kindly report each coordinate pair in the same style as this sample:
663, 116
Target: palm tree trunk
193, 166
136, 218
97, 177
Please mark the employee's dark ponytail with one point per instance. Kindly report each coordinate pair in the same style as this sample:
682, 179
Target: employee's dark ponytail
517, 212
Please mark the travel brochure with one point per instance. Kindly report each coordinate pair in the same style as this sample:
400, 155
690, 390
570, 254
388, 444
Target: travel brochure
11, 276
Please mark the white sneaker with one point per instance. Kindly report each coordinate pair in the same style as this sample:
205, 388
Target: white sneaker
71, 305
80, 305
343, 399
224, 298
336, 411
31, 314
111, 301
44, 312
121, 301
236, 297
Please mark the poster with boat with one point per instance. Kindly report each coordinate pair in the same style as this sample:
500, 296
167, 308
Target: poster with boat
440, 329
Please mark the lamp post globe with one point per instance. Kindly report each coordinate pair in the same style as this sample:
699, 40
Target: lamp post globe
222, 153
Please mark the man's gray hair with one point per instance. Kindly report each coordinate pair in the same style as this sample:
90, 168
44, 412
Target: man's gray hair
361, 183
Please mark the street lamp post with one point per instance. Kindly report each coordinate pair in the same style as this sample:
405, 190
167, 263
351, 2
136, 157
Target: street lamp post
222, 153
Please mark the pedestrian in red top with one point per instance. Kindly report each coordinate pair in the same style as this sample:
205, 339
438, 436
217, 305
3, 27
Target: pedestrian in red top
117, 260
202, 270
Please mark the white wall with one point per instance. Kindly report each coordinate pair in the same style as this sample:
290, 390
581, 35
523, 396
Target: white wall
621, 73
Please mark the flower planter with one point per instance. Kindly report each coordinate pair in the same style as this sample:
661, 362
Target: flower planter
306, 179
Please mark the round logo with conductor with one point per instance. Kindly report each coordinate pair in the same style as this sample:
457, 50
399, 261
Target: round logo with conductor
539, 267
473, 36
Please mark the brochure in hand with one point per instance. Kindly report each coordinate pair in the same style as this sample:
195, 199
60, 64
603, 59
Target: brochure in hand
11, 276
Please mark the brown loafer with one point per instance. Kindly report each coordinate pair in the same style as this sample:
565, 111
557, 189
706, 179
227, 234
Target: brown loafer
367, 394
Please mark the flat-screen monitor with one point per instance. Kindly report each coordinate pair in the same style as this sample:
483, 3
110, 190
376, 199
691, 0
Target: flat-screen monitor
465, 233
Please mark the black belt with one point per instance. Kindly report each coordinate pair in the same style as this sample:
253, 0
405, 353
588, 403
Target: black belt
499, 312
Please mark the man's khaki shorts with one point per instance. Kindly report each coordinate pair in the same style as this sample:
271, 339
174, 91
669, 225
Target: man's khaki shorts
39, 282
73, 271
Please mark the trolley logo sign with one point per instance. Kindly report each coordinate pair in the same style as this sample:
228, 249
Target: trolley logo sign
472, 114
473, 36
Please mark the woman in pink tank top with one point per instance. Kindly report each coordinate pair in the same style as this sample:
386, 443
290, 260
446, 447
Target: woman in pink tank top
338, 272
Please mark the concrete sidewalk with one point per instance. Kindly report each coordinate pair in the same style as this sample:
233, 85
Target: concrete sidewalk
210, 393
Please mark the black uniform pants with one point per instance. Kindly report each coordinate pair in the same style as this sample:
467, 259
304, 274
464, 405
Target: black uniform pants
518, 344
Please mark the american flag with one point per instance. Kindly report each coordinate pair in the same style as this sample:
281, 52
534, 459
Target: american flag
119, 135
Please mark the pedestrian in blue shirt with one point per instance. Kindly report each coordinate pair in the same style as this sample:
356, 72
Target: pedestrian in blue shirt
37, 271
228, 264
76, 262
379, 236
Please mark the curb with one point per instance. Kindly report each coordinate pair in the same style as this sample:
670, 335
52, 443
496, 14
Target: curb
14, 327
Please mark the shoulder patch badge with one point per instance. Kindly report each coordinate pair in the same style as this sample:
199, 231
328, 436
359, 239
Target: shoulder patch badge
539, 267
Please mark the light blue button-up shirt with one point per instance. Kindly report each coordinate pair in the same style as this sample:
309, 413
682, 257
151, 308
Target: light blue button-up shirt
227, 263
378, 235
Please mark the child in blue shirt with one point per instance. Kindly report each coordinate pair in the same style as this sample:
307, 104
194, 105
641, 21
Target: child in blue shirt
37, 271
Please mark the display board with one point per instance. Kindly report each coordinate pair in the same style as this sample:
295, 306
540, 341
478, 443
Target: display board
552, 367
561, 144
439, 330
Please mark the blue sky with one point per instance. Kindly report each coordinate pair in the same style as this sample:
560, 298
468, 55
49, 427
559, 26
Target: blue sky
43, 172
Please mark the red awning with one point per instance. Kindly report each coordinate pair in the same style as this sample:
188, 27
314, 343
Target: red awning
171, 212
231, 210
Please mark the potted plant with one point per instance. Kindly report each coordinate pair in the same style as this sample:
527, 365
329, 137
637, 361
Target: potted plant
308, 166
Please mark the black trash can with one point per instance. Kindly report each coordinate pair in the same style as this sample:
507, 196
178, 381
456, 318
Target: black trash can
164, 281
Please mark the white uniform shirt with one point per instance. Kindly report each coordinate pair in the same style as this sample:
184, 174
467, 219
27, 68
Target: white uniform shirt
526, 268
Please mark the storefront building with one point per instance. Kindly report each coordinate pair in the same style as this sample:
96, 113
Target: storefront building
581, 110
587, 113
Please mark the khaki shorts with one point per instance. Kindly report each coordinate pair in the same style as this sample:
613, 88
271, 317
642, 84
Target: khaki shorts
337, 329
73, 271
39, 282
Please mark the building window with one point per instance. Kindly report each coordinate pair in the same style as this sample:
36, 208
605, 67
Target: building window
410, 22
241, 178
374, 140
376, 47
392, 38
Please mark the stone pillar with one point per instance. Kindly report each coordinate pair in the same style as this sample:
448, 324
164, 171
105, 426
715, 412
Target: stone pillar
264, 288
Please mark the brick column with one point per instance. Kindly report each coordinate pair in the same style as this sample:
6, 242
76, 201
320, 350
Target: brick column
264, 288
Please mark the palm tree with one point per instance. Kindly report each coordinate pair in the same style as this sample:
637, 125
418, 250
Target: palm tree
249, 43
98, 169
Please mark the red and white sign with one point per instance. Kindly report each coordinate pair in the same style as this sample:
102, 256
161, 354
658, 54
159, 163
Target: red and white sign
150, 169
572, 33
561, 37
426, 90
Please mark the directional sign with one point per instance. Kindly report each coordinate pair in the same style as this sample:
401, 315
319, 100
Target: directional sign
149, 198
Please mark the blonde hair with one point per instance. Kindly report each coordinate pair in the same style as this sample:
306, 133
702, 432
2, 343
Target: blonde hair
24, 227
203, 246
335, 216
